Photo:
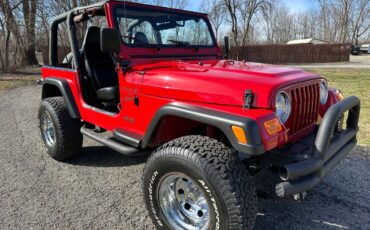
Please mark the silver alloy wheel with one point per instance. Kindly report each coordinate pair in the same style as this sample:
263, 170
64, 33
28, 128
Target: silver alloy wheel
47, 129
183, 203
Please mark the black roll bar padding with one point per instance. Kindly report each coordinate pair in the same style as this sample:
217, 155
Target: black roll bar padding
72, 34
53, 44
53, 34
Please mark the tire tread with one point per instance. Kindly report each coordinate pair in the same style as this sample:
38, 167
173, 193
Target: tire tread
69, 138
226, 170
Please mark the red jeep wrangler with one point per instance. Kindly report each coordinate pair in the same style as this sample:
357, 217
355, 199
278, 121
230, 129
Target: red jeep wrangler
153, 80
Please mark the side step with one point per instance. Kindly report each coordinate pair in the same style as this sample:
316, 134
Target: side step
127, 138
112, 143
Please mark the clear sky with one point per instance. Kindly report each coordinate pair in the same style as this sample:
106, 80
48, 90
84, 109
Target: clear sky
293, 5
194, 5
298, 5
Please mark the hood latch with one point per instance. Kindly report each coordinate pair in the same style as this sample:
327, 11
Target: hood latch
248, 99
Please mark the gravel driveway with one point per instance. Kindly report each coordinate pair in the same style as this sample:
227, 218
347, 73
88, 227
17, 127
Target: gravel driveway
102, 189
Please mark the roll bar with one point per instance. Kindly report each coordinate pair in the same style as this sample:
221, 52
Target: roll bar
53, 34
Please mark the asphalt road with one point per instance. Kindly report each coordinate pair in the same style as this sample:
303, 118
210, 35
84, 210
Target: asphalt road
102, 189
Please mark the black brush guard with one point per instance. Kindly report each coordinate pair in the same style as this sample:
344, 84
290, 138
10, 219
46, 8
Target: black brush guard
329, 150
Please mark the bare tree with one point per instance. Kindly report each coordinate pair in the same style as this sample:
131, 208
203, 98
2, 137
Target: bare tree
343, 13
24, 24
25, 37
232, 7
10, 27
29, 15
278, 23
360, 20
248, 10
216, 14
324, 6
4, 36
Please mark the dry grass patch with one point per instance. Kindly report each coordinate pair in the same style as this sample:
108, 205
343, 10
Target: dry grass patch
25, 76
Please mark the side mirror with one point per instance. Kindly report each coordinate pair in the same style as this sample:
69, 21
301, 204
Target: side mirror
227, 47
110, 40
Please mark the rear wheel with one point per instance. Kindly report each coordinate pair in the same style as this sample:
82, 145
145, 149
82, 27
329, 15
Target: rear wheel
195, 182
59, 132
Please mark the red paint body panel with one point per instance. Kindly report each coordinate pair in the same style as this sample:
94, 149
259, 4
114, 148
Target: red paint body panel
218, 82
207, 82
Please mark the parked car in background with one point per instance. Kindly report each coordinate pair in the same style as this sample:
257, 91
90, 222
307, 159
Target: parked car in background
355, 50
365, 49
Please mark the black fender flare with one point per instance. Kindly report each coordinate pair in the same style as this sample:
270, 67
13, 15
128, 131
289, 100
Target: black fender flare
66, 92
221, 120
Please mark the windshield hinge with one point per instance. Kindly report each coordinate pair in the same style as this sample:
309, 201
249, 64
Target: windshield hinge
118, 67
124, 65
248, 99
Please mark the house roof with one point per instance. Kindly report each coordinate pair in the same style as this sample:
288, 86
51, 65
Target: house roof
305, 41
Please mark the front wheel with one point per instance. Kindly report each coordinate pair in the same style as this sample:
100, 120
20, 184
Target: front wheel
195, 182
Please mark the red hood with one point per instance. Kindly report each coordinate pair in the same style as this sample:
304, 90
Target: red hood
218, 82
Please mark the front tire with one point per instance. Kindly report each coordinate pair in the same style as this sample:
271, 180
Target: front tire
59, 132
196, 182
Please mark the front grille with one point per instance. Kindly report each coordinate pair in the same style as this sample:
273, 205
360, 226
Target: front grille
305, 108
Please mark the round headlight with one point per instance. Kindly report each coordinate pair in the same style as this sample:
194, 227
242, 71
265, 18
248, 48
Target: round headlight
283, 106
324, 93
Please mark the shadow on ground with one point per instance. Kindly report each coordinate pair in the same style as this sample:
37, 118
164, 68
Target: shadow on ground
101, 156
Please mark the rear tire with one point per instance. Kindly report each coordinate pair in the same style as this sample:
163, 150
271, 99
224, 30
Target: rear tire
202, 167
59, 132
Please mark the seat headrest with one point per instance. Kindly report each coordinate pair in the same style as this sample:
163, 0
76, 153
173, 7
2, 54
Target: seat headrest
92, 36
142, 37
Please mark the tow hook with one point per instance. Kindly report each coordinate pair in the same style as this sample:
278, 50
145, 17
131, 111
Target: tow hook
39, 82
300, 196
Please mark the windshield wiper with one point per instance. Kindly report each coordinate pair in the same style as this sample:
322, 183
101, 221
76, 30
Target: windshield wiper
179, 43
146, 45
183, 44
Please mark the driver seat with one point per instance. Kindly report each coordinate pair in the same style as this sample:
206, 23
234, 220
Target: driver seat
99, 68
140, 38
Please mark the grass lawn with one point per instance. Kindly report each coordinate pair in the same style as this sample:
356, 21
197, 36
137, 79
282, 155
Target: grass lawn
27, 76
353, 82
13, 82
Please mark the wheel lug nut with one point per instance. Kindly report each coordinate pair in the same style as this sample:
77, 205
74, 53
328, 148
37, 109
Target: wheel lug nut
200, 213
187, 206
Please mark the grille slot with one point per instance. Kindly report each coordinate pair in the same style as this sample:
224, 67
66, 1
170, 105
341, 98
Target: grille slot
305, 108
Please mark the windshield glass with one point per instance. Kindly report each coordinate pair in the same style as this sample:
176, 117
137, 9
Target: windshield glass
141, 27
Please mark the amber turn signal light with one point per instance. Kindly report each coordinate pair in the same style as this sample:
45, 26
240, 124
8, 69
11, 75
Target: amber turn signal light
273, 126
239, 134
339, 95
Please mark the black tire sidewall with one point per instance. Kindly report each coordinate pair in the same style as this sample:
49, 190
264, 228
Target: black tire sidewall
165, 166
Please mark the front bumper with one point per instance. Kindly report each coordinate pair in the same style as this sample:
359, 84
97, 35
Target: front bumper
328, 150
